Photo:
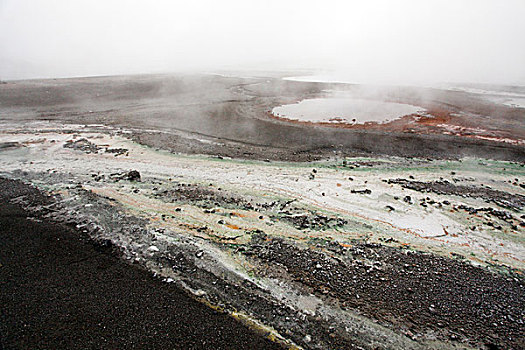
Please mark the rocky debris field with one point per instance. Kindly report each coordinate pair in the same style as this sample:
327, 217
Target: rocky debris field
503, 199
417, 293
314, 255
417, 300
313, 221
82, 145
209, 197
86, 146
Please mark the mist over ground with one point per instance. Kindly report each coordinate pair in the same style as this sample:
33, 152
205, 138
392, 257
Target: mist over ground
204, 180
416, 42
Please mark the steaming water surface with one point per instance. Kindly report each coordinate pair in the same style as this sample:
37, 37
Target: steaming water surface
344, 110
511, 96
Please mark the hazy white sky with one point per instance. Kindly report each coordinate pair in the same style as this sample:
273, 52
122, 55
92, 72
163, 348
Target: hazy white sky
378, 41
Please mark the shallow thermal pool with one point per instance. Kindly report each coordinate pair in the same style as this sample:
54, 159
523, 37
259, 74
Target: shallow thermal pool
344, 110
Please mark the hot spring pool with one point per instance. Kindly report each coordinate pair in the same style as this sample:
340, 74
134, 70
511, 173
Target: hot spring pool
344, 110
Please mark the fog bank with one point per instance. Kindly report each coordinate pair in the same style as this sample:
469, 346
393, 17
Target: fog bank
380, 41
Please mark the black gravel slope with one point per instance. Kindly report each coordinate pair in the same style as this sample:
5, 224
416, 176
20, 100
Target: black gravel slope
59, 291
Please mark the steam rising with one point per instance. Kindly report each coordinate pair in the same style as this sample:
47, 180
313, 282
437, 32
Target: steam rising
380, 41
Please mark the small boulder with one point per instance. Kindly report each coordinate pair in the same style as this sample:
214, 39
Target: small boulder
133, 175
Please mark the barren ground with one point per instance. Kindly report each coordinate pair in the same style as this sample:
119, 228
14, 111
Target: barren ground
405, 235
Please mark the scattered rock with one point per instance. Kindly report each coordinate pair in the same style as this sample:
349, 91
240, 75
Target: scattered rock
153, 249
82, 145
133, 175
117, 151
9, 145
365, 191
501, 198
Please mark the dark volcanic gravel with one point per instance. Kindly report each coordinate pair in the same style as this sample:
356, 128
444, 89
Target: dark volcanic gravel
413, 291
60, 291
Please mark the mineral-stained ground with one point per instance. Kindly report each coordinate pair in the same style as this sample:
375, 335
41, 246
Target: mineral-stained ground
403, 235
